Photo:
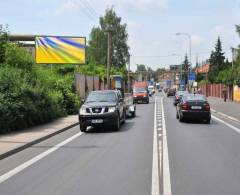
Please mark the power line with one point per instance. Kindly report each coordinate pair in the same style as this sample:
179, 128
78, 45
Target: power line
88, 10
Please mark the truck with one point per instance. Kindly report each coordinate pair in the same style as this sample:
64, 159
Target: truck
140, 92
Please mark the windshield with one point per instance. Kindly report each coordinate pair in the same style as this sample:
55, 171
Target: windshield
139, 90
195, 98
101, 97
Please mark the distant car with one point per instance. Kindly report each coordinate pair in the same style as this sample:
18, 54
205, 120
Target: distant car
171, 92
178, 96
193, 106
151, 90
102, 108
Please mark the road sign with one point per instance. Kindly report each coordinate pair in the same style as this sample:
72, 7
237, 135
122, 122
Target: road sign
192, 76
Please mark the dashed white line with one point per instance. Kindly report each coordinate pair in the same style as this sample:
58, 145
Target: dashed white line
166, 171
23, 166
155, 168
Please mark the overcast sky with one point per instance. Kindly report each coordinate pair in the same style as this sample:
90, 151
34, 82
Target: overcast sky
152, 24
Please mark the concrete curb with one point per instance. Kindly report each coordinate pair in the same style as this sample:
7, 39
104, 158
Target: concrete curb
27, 145
225, 115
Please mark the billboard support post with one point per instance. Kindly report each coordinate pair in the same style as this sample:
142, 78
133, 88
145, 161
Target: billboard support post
109, 56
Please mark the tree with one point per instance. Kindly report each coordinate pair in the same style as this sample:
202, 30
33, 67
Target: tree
185, 68
3, 41
98, 40
217, 62
141, 68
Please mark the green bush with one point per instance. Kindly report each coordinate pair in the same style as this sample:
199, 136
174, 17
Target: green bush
21, 104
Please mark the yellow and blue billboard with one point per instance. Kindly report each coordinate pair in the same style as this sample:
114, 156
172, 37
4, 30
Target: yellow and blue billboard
60, 50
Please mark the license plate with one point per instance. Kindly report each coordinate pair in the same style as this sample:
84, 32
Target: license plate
196, 107
97, 121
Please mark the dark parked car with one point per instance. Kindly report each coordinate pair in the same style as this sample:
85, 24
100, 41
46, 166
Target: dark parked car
193, 106
178, 96
171, 92
102, 108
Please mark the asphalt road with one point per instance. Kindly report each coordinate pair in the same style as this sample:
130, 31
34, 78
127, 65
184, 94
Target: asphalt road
202, 159
97, 162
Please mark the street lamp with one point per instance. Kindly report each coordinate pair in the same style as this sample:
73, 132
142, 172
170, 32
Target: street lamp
190, 49
174, 54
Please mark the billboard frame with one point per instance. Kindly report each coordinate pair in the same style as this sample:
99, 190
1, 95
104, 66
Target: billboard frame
85, 39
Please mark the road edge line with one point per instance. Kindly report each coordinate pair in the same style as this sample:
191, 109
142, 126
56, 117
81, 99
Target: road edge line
166, 170
36, 141
35, 159
155, 168
237, 130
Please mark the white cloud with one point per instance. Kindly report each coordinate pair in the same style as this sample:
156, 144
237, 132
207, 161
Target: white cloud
197, 40
68, 6
220, 30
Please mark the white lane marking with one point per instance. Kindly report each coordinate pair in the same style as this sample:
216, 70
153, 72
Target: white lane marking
227, 124
30, 162
225, 115
155, 170
166, 171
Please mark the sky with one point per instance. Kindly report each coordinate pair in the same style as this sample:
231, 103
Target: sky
152, 24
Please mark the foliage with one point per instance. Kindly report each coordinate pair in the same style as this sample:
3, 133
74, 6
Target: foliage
31, 94
141, 68
97, 50
185, 69
217, 62
3, 42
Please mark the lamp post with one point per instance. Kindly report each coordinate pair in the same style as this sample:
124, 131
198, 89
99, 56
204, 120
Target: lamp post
190, 49
174, 54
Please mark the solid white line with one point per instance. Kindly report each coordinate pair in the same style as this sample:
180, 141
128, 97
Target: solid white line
227, 124
166, 171
23, 166
155, 170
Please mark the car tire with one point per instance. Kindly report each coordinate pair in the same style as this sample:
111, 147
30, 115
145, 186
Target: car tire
83, 128
181, 119
134, 114
124, 117
117, 124
177, 116
208, 121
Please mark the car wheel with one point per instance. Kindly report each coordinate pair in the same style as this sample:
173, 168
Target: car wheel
117, 124
83, 128
177, 116
208, 121
124, 117
134, 114
181, 119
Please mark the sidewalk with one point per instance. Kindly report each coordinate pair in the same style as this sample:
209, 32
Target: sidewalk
232, 109
17, 141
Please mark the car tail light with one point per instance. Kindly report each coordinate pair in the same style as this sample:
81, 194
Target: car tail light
206, 107
185, 106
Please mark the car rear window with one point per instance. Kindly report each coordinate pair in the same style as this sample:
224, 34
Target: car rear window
182, 92
194, 98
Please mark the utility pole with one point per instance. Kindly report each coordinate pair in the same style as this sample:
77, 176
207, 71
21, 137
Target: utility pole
109, 31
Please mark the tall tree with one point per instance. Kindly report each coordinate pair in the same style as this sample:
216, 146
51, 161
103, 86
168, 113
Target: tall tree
217, 61
185, 68
97, 50
3, 41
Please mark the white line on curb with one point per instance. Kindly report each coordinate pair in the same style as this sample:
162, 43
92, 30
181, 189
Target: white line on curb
155, 170
227, 124
23, 166
166, 171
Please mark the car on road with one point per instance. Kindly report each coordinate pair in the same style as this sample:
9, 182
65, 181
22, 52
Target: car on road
193, 106
102, 108
178, 96
171, 92
151, 90
140, 92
